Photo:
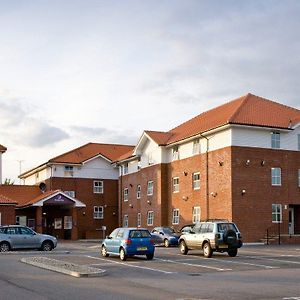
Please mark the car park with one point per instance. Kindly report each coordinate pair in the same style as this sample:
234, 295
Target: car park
126, 242
166, 236
219, 236
22, 237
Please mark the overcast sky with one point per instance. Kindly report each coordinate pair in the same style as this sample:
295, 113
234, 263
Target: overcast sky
73, 72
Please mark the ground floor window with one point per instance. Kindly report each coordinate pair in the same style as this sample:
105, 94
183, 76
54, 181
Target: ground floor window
98, 212
68, 222
150, 218
21, 220
196, 214
125, 221
175, 217
276, 213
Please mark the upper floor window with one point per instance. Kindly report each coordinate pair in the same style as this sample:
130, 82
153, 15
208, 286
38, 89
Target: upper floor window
175, 153
126, 194
139, 219
275, 140
196, 181
98, 212
150, 159
138, 191
196, 147
175, 184
98, 187
70, 193
175, 217
196, 214
69, 170
139, 164
276, 176
150, 218
150, 188
125, 169
125, 221
276, 213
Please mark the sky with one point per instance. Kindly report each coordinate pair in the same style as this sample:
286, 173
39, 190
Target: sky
74, 72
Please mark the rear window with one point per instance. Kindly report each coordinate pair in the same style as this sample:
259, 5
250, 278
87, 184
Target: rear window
223, 227
139, 234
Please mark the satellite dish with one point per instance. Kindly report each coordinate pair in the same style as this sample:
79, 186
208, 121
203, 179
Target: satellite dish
43, 187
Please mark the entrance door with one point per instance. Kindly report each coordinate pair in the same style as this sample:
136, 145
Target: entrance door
291, 220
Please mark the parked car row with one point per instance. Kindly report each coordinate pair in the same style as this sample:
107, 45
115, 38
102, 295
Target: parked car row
213, 236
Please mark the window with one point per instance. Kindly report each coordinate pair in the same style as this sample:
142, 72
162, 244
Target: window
299, 177
175, 217
125, 221
276, 176
70, 193
68, 222
150, 188
138, 191
139, 219
150, 160
98, 187
125, 169
69, 170
196, 214
21, 220
175, 153
150, 218
275, 140
196, 147
196, 181
276, 213
126, 194
98, 212
175, 184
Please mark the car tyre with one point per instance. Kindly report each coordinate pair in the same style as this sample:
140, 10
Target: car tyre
207, 250
166, 243
123, 255
232, 252
4, 247
47, 246
150, 256
183, 248
230, 237
104, 251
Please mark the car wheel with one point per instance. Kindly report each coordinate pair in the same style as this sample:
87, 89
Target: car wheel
207, 251
232, 252
104, 251
47, 246
183, 248
4, 247
166, 243
230, 237
150, 256
123, 255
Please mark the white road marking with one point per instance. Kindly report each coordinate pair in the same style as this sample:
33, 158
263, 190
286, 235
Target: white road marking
275, 259
132, 266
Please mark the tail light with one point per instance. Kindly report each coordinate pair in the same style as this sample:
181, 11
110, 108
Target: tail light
128, 242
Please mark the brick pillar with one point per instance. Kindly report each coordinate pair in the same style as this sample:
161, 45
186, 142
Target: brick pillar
39, 219
74, 232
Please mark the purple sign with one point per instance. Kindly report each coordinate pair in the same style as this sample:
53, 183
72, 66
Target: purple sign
59, 199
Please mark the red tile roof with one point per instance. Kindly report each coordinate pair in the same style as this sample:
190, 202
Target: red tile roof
2, 148
90, 150
6, 200
161, 138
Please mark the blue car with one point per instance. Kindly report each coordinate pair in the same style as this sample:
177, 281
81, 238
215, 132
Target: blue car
166, 236
128, 242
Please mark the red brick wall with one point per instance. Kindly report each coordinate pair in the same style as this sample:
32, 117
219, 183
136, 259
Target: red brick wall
88, 227
8, 216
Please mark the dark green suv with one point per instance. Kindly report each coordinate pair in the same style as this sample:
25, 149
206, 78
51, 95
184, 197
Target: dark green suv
219, 236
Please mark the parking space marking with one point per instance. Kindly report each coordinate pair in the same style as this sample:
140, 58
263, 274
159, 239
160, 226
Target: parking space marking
193, 265
132, 266
275, 259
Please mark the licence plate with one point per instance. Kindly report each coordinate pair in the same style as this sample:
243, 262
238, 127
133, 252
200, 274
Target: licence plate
141, 248
223, 246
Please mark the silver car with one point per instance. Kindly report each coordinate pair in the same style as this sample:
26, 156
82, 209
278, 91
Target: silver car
22, 237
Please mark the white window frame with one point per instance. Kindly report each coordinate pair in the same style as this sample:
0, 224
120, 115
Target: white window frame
150, 218
275, 140
70, 193
175, 184
276, 176
125, 221
196, 147
139, 219
98, 212
98, 187
196, 181
175, 216
175, 153
126, 193
196, 214
150, 188
276, 213
138, 191
68, 170
125, 169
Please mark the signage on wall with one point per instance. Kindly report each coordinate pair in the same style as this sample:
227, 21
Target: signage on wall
59, 199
